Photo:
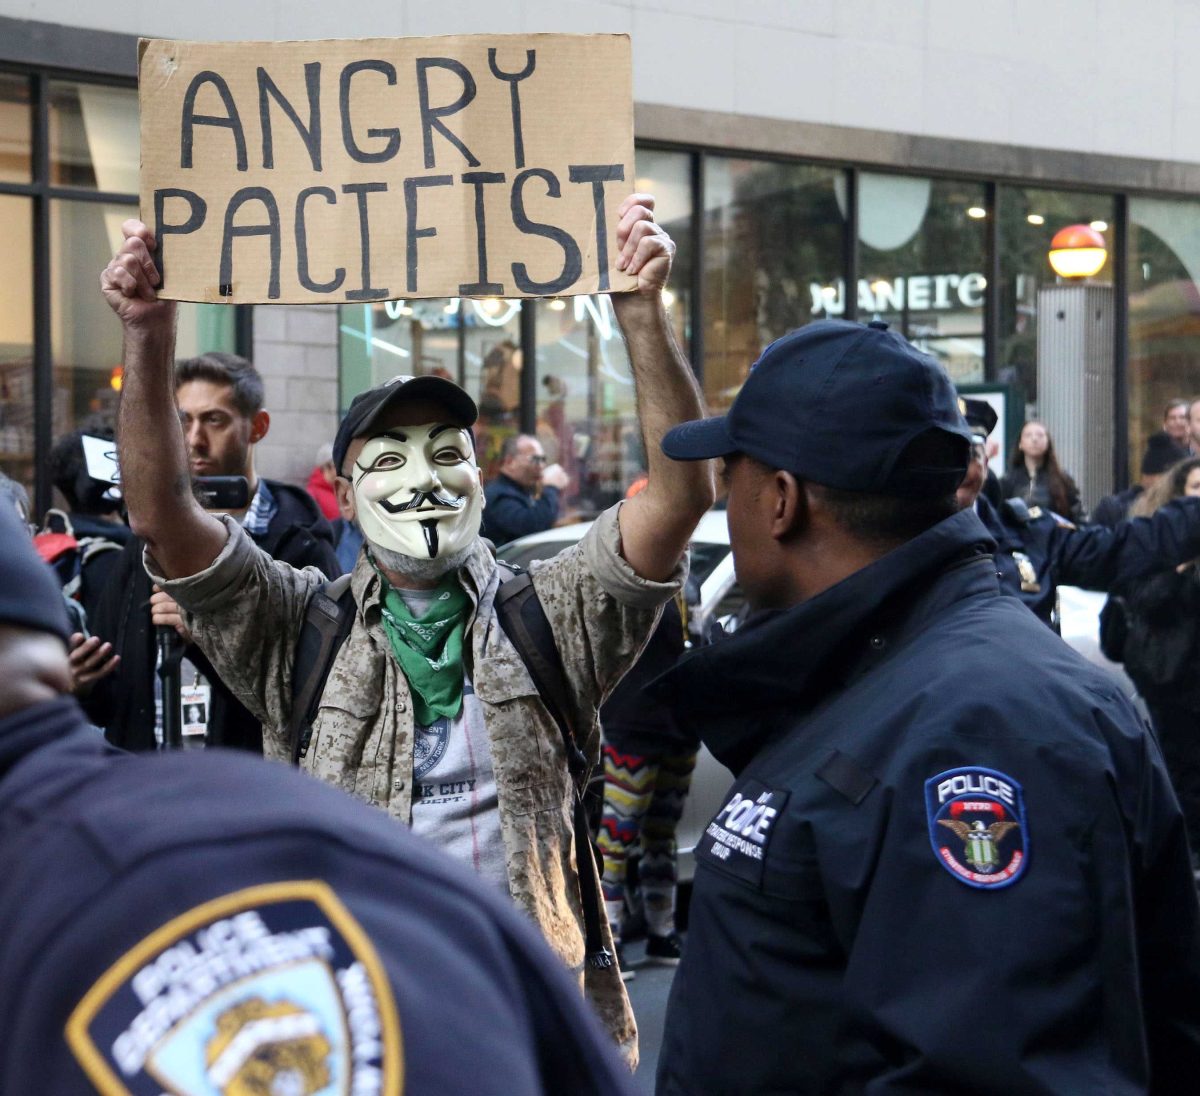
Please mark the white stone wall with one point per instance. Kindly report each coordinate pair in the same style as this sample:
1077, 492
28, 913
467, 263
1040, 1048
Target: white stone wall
1110, 76
296, 351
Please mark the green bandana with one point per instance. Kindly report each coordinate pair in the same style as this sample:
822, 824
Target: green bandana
429, 648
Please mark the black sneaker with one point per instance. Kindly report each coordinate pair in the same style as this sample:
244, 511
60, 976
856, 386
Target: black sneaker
633, 925
628, 974
663, 951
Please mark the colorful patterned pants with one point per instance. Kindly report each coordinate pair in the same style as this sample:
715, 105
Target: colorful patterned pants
643, 800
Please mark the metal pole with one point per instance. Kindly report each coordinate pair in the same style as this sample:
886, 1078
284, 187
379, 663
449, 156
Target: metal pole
529, 377
43, 331
1121, 343
170, 652
850, 247
991, 297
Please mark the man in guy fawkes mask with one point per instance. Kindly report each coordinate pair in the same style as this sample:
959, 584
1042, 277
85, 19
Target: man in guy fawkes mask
428, 710
415, 490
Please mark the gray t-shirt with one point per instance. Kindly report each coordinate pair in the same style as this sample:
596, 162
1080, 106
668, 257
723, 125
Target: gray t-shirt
454, 788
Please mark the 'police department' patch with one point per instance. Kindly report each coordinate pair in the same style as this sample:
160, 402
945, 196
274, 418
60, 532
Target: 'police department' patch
977, 826
273, 989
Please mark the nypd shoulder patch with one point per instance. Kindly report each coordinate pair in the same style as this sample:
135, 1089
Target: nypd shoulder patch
977, 826
272, 989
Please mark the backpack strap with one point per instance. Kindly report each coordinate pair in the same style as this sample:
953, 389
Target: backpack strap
524, 621
327, 622
88, 549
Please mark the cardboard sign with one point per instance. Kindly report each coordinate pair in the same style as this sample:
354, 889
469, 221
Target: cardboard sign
322, 172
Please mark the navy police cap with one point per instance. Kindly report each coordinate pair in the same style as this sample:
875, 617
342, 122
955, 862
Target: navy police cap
837, 403
980, 415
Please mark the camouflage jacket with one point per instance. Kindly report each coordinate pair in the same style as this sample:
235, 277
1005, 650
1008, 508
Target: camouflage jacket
246, 611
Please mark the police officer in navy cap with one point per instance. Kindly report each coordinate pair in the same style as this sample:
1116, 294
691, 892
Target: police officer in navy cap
951, 859
219, 924
1038, 550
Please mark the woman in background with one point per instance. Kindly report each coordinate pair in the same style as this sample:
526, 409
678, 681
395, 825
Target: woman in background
1162, 650
1036, 477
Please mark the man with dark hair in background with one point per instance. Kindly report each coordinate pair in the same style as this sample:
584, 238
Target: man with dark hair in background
951, 855
524, 496
220, 402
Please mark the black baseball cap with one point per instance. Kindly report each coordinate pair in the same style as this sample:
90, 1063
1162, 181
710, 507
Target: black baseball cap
1161, 453
367, 407
980, 416
837, 403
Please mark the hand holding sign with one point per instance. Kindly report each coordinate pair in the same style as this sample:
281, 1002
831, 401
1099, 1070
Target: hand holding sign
645, 249
130, 281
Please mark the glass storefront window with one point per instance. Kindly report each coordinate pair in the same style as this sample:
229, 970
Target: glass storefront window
1164, 313
16, 124
85, 342
585, 399
773, 255
921, 262
1028, 219
586, 420
16, 343
94, 137
668, 176
475, 343
492, 365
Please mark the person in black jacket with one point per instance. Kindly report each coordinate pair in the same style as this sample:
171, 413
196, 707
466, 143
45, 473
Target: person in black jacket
217, 923
1037, 550
1160, 455
220, 398
951, 859
524, 496
1035, 476
1162, 650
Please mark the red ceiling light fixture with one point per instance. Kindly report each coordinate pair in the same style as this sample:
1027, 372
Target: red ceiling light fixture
1077, 251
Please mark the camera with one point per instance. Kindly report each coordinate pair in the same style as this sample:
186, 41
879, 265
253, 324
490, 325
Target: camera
222, 493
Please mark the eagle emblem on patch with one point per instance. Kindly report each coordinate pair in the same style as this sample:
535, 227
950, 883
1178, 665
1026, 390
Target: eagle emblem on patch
272, 990
977, 826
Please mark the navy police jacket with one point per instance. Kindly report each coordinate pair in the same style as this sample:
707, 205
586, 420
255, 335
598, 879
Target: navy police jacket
1037, 551
204, 922
951, 860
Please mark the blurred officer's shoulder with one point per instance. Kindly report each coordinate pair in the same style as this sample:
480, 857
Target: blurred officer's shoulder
202, 923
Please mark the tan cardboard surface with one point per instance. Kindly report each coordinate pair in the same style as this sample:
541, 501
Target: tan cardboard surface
365, 183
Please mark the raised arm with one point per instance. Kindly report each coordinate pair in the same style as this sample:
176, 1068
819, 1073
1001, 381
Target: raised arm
658, 521
154, 470
1098, 558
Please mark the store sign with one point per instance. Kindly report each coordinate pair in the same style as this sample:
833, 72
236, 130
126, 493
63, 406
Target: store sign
916, 293
323, 172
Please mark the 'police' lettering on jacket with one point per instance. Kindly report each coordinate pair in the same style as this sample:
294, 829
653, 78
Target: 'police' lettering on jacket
976, 782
